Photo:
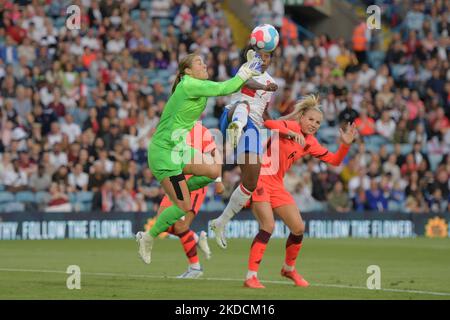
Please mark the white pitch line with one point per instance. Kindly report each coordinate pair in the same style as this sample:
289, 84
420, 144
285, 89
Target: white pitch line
102, 274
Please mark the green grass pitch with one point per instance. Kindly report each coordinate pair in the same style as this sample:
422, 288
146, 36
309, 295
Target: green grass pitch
336, 269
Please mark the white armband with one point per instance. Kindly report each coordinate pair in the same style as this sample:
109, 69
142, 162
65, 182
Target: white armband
219, 179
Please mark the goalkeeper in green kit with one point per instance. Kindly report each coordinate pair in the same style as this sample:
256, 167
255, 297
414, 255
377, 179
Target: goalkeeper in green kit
169, 157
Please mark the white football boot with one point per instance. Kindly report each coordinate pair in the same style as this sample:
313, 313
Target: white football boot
191, 273
203, 244
145, 244
219, 233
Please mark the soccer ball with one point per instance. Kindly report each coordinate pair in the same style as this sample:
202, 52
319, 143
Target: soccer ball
265, 37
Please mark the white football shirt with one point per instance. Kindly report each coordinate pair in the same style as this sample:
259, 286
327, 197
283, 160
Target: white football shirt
258, 99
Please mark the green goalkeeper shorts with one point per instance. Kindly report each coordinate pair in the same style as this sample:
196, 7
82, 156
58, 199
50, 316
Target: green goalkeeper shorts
166, 163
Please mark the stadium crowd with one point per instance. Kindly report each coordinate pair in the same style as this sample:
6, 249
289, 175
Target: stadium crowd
78, 107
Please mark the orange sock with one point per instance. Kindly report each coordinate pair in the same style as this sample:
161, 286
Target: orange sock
189, 244
293, 246
257, 249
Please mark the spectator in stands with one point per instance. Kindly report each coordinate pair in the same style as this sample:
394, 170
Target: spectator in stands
57, 157
436, 202
415, 203
286, 102
338, 199
330, 109
348, 115
365, 124
397, 197
442, 182
103, 199
15, 179
321, 185
96, 177
385, 126
22, 102
415, 18
440, 125
365, 75
61, 176
359, 181
376, 200
70, 128
414, 105
123, 200
59, 201
360, 200
401, 134
40, 180
77, 179
418, 135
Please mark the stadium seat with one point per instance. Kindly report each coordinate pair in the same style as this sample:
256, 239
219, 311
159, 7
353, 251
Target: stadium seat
328, 135
90, 82
134, 14
14, 207
26, 196
6, 196
155, 79
164, 23
375, 141
72, 197
390, 148
90, 100
42, 197
60, 22
85, 196
85, 206
145, 4
394, 206
406, 148
164, 73
375, 58
149, 73
434, 160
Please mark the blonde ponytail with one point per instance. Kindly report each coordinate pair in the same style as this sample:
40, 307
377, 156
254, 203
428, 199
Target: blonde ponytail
310, 102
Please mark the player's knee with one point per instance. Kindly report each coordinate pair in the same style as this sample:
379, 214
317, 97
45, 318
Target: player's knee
298, 229
216, 171
268, 226
184, 205
180, 226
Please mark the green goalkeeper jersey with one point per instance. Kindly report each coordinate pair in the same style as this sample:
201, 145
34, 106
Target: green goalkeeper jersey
185, 107
167, 151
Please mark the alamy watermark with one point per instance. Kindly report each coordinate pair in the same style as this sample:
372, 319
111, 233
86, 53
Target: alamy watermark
73, 21
374, 20
374, 280
74, 280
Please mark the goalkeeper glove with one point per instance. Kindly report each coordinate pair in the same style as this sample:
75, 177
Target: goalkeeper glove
251, 68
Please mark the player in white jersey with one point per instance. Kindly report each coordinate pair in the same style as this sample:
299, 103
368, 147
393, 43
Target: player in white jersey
242, 120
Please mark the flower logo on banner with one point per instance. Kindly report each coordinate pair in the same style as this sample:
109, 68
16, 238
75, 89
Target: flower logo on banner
436, 228
149, 225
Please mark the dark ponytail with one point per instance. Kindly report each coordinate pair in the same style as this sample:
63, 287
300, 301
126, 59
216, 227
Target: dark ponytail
177, 81
186, 62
